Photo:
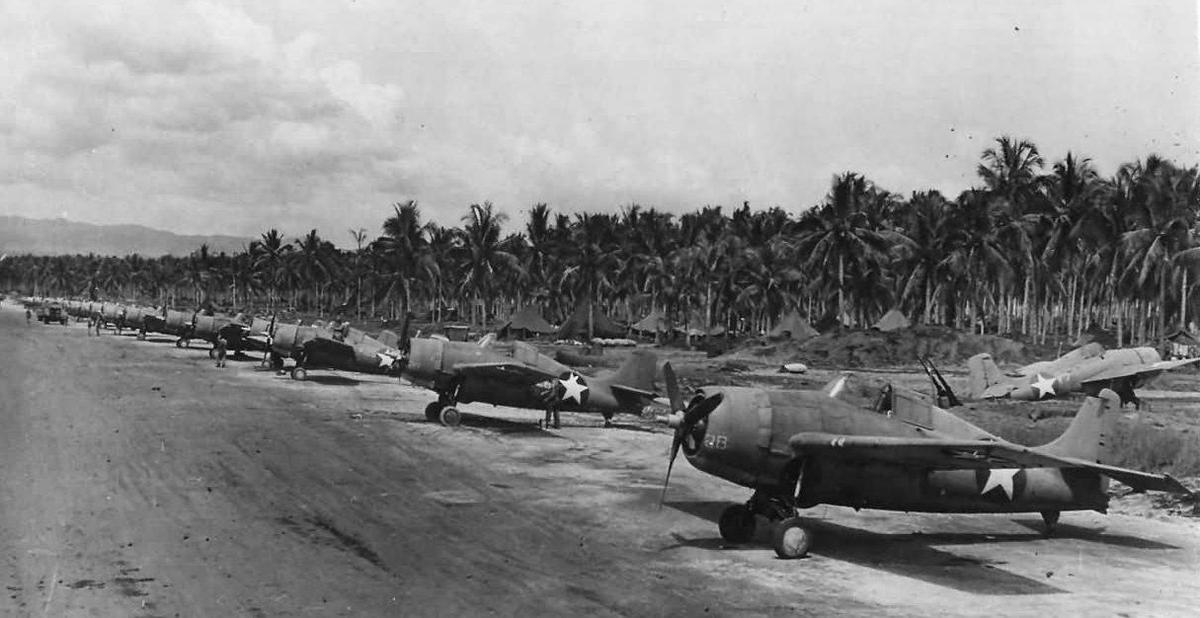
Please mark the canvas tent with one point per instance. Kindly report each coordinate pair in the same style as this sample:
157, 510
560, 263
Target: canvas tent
525, 322
1183, 344
576, 326
794, 327
892, 320
656, 322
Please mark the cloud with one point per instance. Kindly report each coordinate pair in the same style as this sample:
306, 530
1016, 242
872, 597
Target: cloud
217, 116
194, 101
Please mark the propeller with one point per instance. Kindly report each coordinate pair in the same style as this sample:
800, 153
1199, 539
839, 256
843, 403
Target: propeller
684, 421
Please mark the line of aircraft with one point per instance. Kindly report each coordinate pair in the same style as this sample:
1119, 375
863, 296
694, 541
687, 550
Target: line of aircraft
793, 448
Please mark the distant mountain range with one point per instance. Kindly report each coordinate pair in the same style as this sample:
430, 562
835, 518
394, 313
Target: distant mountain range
59, 236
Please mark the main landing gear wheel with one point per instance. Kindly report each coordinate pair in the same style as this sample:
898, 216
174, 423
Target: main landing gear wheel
433, 410
141, 336
450, 416
299, 373
791, 539
212, 353
179, 343
737, 524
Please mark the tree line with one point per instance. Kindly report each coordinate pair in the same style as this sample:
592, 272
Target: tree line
1032, 250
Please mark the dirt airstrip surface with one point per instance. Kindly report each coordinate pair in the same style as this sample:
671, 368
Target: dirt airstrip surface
136, 479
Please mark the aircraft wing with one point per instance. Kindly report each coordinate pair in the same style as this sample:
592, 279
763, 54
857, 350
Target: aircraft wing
504, 371
936, 453
326, 348
635, 392
1129, 371
964, 454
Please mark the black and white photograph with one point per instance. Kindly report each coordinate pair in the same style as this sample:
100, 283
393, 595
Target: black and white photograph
626, 308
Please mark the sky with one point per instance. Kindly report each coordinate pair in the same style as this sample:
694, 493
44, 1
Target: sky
223, 117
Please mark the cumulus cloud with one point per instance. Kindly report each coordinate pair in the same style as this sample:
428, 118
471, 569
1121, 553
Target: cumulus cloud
197, 101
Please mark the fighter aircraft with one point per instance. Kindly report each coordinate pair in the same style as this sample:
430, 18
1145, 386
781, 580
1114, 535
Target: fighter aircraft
798, 449
349, 349
178, 323
516, 374
208, 327
1087, 369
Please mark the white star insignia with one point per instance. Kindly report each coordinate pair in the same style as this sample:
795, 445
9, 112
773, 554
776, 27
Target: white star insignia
385, 359
1044, 386
1002, 478
575, 388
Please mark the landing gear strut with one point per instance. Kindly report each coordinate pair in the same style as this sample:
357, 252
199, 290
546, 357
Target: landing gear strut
444, 410
1050, 518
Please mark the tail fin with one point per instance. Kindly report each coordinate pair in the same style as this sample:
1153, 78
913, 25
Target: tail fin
983, 374
638, 371
1089, 435
389, 338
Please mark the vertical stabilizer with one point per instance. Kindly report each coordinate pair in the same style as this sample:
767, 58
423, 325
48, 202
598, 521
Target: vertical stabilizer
1090, 434
638, 371
983, 374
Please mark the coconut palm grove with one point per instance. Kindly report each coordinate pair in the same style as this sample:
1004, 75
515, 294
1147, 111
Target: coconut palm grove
1036, 249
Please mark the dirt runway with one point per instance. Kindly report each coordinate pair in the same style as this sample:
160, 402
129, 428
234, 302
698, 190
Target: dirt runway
139, 480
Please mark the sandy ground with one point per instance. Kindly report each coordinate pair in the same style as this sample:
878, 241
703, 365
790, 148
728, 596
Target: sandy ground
139, 480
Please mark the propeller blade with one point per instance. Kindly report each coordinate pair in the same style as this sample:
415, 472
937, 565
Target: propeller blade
675, 444
673, 394
699, 410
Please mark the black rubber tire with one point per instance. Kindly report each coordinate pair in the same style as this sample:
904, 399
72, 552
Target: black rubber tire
791, 539
450, 416
433, 410
737, 524
212, 353
299, 373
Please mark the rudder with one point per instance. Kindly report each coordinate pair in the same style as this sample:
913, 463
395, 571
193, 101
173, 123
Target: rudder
1089, 435
638, 371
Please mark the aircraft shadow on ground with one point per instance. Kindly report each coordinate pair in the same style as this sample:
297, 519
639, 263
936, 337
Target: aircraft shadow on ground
1067, 531
901, 554
331, 380
500, 426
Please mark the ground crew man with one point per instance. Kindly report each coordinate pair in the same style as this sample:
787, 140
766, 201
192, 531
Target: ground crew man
220, 347
28, 316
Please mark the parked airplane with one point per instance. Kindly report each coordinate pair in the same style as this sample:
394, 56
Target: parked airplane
798, 449
516, 374
1086, 369
318, 346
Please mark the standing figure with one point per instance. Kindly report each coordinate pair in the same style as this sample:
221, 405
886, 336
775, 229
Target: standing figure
220, 346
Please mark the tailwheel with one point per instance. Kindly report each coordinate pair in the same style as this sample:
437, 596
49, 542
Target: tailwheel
433, 410
791, 538
1050, 518
737, 524
450, 416
299, 373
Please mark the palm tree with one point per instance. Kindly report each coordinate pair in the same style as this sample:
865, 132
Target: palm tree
405, 249
840, 233
484, 259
